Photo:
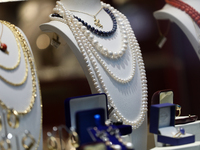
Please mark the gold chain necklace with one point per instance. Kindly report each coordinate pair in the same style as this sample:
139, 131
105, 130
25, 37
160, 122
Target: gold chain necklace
96, 21
19, 38
28, 56
19, 54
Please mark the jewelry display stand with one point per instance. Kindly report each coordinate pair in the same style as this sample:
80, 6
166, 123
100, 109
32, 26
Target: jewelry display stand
183, 20
192, 128
19, 97
192, 146
126, 97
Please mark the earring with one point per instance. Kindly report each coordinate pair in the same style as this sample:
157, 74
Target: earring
13, 115
51, 142
5, 144
74, 139
0, 123
30, 138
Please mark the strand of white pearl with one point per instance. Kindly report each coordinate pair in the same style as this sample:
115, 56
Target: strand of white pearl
104, 51
133, 41
103, 64
138, 122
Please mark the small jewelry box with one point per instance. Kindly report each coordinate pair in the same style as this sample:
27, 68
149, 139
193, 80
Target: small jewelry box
82, 103
162, 121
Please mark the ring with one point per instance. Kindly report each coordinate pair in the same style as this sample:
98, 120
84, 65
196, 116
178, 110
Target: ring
74, 139
25, 138
181, 131
52, 143
8, 143
13, 118
178, 108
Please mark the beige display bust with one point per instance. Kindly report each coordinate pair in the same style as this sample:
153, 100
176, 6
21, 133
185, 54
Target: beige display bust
19, 97
130, 99
183, 20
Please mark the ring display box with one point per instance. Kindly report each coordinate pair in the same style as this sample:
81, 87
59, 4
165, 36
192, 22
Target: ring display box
81, 103
162, 121
80, 112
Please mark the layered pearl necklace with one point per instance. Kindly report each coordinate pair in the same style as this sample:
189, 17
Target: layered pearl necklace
104, 51
88, 46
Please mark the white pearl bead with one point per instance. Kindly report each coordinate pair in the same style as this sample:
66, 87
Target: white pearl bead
95, 42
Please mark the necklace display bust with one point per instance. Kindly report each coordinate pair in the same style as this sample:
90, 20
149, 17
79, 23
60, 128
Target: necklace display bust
184, 21
128, 97
20, 104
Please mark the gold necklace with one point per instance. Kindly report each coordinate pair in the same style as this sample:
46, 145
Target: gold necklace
19, 54
3, 46
96, 21
18, 39
28, 56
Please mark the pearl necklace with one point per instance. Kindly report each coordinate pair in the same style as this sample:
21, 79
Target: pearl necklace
86, 48
94, 43
104, 51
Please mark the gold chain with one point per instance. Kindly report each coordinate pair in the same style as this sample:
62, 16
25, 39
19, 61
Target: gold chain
96, 21
27, 56
24, 46
19, 54
94, 16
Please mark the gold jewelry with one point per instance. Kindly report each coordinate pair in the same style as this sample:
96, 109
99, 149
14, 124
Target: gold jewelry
19, 54
0, 123
18, 36
74, 139
28, 57
13, 115
178, 108
8, 144
96, 21
3, 46
52, 143
26, 50
181, 131
25, 138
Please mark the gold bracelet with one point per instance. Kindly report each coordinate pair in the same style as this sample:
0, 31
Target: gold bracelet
31, 144
10, 115
8, 143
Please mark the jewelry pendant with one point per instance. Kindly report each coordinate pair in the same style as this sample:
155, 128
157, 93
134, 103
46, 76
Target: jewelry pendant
3, 47
97, 23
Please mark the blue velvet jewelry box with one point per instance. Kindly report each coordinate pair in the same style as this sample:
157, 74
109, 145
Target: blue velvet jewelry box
162, 121
82, 103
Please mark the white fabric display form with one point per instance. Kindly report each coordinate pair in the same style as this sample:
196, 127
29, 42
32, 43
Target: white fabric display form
20, 101
105, 46
184, 21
